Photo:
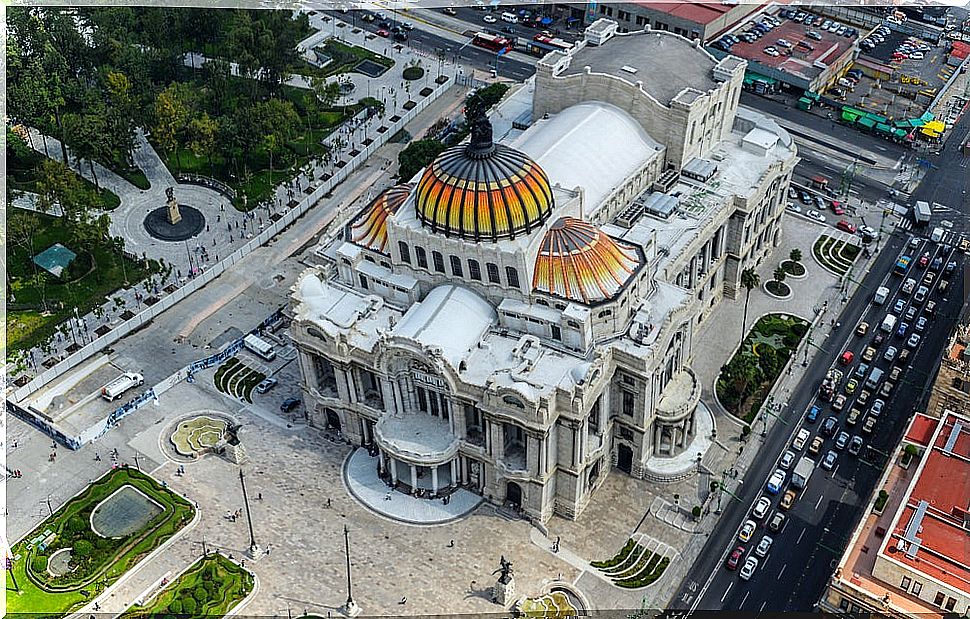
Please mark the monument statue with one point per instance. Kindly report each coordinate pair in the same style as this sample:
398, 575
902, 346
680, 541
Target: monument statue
174, 214
504, 590
476, 116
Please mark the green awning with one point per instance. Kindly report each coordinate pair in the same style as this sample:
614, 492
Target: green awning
877, 118
853, 110
900, 133
751, 77
884, 128
927, 117
814, 96
867, 122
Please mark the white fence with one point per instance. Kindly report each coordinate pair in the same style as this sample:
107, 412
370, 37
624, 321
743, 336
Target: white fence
214, 271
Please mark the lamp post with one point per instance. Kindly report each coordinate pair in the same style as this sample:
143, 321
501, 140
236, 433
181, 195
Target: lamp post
350, 607
253, 548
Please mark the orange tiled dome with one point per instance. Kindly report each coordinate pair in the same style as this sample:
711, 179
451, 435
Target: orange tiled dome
483, 191
370, 227
580, 262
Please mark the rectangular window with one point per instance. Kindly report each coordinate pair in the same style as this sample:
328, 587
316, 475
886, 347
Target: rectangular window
363, 281
938, 600
456, 266
492, 273
917, 587
843, 604
439, 261
642, 21
950, 603
513, 276
628, 403
556, 333
904, 585
422, 400
405, 253
474, 271
421, 257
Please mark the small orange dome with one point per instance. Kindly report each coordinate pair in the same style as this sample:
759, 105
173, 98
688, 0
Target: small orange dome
580, 262
370, 227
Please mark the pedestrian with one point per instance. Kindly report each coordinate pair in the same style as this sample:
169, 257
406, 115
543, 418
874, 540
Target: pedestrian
329, 502
207, 227
259, 496
451, 544
404, 600
97, 457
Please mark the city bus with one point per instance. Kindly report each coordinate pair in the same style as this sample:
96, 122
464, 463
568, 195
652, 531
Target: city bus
542, 44
492, 42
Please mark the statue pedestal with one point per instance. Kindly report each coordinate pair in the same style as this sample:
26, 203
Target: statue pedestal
503, 592
174, 215
351, 609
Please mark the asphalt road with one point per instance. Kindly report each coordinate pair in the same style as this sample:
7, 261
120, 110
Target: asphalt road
793, 576
464, 53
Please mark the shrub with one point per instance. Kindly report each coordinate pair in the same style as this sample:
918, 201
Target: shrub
82, 548
175, 607
618, 557
76, 524
745, 431
696, 512
881, 500
189, 605
413, 73
910, 450
38, 563
200, 594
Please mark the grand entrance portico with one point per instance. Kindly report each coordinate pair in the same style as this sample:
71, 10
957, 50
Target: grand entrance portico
417, 453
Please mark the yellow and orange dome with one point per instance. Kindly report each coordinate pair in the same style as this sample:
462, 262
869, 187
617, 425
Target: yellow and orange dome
580, 262
370, 227
483, 191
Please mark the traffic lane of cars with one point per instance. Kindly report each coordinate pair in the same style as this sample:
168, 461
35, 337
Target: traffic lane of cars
749, 529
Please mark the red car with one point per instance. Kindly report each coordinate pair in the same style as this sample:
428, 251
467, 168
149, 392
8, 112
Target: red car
383, 32
837, 208
924, 260
845, 226
735, 558
900, 56
847, 357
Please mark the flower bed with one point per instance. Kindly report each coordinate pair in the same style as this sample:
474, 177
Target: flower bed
794, 269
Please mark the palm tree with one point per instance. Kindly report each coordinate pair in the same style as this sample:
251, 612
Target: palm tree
780, 274
749, 281
795, 255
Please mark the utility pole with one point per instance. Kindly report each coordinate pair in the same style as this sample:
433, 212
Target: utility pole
253, 548
350, 608
49, 508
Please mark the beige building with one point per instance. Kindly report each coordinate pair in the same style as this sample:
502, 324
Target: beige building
519, 319
951, 389
910, 556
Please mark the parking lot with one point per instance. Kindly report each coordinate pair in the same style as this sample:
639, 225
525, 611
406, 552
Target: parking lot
913, 84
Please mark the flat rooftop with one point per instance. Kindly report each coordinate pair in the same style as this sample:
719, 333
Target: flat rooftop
806, 64
935, 504
665, 63
697, 12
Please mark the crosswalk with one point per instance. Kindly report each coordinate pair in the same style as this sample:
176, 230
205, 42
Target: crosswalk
956, 238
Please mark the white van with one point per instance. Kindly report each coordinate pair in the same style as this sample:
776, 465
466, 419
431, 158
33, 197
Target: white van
259, 346
888, 323
881, 294
511, 18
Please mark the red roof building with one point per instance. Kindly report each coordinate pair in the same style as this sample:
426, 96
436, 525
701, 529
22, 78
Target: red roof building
692, 19
913, 557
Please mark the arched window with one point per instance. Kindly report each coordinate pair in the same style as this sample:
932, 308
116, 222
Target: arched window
405, 252
492, 270
474, 271
421, 257
439, 261
512, 276
456, 266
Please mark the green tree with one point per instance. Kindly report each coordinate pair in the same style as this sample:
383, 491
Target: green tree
120, 116
779, 274
89, 137
417, 155
277, 119
795, 255
202, 132
173, 109
749, 281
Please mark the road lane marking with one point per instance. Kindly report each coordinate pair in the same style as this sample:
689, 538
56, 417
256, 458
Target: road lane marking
744, 599
819, 502
763, 604
780, 572
731, 584
797, 541
835, 470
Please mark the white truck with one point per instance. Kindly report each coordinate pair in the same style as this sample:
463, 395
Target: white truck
922, 213
259, 346
882, 293
888, 323
803, 470
937, 235
114, 390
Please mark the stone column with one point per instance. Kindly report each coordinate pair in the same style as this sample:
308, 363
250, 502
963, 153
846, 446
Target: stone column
577, 455
454, 472
393, 470
656, 438
434, 479
414, 478
380, 461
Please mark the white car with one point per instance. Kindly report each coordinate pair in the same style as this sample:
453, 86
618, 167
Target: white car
820, 218
744, 535
916, 56
794, 208
890, 354
764, 546
776, 481
801, 438
787, 459
489, 19
749, 567
761, 508
784, 43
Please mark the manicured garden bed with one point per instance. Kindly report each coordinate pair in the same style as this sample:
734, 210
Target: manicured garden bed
794, 269
633, 567
778, 289
96, 561
744, 382
835, 255
211, 587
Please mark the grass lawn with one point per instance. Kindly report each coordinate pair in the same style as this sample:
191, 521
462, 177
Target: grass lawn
344, 58
104, 559
211, 587
102, 274
744, 382
22, 173
837, 256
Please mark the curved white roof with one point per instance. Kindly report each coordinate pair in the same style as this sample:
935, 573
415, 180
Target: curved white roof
451, 318
594, 145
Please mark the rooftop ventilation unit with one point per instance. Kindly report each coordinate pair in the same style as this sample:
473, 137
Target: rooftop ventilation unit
629, 69
666, 181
